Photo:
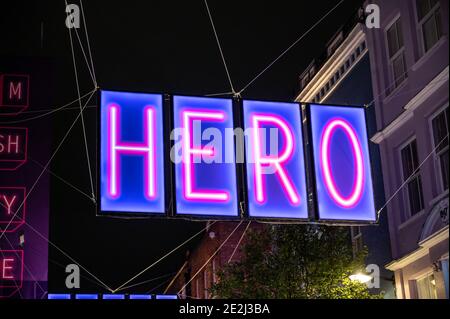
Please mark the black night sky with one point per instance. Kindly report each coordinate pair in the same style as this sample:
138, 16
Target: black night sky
153, 46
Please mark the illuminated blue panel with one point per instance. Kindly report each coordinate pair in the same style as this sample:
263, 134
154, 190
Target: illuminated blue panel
140, 297
86, 296
59, 296
342, 163
161, 297
276, 180
205, 169
131, 153
113, 297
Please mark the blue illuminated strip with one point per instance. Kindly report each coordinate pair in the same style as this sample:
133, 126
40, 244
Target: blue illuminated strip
86, 296
59, 296
140, 297
113, 297
166, 297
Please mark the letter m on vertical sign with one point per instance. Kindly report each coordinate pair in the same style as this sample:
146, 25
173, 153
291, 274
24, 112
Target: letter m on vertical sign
131, 153
14, 93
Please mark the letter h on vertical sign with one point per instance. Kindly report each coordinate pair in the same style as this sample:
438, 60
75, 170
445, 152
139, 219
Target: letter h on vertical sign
132, 156
13, 147
14, 93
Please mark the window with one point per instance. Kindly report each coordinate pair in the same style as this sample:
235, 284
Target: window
426, 287
411, 173
342, 70
396, 52
429, 17
305, 81
440, 138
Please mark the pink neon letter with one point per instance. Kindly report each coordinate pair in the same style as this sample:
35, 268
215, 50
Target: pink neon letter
189, 150
330, 184
147, 149
276, 161
9, 204
5, 267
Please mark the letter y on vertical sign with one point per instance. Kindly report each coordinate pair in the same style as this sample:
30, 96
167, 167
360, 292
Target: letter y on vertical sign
131, 153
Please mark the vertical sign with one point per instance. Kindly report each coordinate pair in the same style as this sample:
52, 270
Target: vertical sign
276, 181
204, 156
14, 93
131, 153
343, 177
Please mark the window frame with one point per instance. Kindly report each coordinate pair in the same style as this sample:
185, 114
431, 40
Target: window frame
422, 277
393, 86
436, 156
421, 22
405, 193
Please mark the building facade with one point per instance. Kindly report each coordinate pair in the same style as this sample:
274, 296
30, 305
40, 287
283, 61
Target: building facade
409, 62
342, 76
199, 272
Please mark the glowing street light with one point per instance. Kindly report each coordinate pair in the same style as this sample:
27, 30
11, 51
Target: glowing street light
360, 277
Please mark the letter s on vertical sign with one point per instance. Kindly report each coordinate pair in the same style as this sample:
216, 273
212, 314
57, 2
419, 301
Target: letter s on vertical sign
343, 178
131, 138
276, 183
204, 188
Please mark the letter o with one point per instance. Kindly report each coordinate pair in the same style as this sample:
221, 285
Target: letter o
357, 190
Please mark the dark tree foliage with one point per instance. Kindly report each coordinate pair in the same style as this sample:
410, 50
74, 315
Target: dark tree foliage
294, 261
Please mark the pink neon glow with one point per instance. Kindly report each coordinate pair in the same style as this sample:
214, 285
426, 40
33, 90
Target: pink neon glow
275, 161
15, 91
189, 150
358, 182
115, 149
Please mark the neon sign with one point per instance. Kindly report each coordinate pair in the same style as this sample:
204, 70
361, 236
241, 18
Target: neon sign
342, 163
132, 154
14, 93
199, 189
276, 183
12, 208
202, 175
13, 147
